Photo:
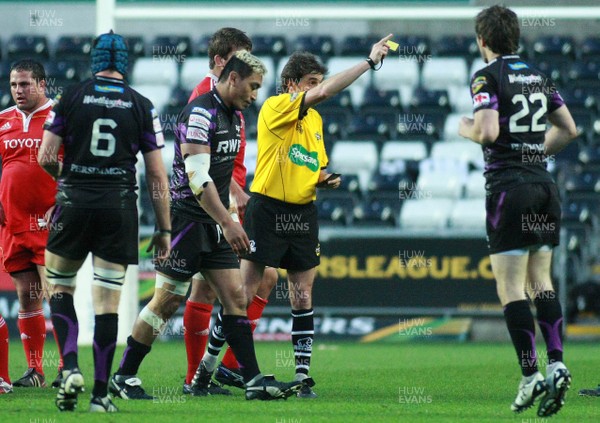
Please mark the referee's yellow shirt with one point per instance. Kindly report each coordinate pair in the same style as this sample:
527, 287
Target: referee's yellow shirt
291, 152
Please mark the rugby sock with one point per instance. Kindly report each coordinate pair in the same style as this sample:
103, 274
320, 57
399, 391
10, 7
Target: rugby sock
239, 336
105, 341
60, 359
550, 319
66, 326
4, 350
134, 354
32, 327
521, 327
255, 311
215, 343
196, 323
303, 331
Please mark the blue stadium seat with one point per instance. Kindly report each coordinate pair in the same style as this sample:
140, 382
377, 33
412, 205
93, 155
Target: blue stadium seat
321, 45
269, 45
377, 210
74, 47
441, 72
251, 121
28, 46
334, 209
59, 75
358, 45
424, 101
585, 181
424, 126
389, 183
582, 209
590, 155
5, 70
335, 124
342, 100
6, 99
590, 48
175, 46
585, 74
457, 45
583, 120
377, 126
416, 46
202, 46
556, 68
376, 100
554, 46
579, 99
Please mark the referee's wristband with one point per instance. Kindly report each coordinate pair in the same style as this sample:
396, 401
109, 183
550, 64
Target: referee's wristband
373, 65
163, 232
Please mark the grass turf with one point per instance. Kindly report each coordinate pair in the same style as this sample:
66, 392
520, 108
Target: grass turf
423, 382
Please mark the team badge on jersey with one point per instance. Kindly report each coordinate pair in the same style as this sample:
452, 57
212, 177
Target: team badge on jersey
481, 99
478, 83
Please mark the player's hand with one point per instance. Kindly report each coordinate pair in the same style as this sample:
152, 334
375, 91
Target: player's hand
380, 49
464, 127
237, 238
238, 198
161, 243
2, 216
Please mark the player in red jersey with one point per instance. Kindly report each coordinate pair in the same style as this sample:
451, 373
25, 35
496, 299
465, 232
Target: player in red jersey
23, 211
5, 385
196, 318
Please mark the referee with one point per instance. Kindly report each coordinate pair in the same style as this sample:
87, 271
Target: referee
280, 218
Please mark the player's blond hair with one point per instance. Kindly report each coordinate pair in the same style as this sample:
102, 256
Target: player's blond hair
251, 60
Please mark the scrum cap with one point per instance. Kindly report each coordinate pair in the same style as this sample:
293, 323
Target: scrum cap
109, 52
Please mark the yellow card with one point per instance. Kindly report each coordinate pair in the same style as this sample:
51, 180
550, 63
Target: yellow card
392, 45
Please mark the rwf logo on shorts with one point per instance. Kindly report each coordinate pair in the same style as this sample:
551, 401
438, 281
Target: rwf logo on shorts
318, 250
252, 246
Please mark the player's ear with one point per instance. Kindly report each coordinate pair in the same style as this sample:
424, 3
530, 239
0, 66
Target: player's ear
220, 61
233, 77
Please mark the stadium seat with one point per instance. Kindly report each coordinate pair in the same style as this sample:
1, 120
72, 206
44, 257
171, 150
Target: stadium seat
579, 99
335, 125
425, 214
556, 68
414, 48
582, 209
585, 181
176, 47
468, 215
168, 155
201, 49
357, 89
427, 126
441, 72
377, 126
585, 75
270, 80
397, 74
6, 99
59, 75
456, 45
460, 99
590, 155
74, 47
354, 158
27, 46
136, 46
334, 210
159, 95
342, 100
320, 45
451, 126
589, 48
462, 150
554, 46
358, 45
376, 100
475, 186
193, 71
425, 101
151, 71
441, 184
377, 211
476, 65
388, 183
403, 150
269, 45
251, 120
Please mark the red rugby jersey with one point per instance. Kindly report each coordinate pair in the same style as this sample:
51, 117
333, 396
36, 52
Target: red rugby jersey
26, 190
239, 169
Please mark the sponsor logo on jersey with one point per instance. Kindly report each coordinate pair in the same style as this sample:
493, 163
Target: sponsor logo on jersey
196, 134
199, 121
201, 111
481, 99
109, 89
518, 66
22, 142
524, 79
478, 83
107, 102
229, 146
302, 157
5, 126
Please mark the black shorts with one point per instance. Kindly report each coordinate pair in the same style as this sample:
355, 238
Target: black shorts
111, 234
525, 216
196, 246
282, 235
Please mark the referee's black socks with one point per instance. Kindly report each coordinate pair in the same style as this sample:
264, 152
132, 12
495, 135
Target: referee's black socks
303, 331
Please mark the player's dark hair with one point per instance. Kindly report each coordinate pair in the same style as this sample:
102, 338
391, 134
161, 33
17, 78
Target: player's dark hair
224, 41
300, 63
28, 65
236, 65
499, 27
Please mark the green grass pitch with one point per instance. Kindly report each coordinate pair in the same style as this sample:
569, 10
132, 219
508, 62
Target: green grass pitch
410, 382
